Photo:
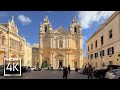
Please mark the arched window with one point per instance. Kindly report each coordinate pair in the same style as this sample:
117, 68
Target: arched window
75, 29
3, 40
45, 28
60, 44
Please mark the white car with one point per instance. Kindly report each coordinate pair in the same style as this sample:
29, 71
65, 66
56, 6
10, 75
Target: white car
113, 74
32, 68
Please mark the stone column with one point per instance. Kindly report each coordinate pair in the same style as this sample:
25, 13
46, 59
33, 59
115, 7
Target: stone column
40, 63
69, 42
51, 61
41, 42
64, 61
51, 43
81, 61
66, 58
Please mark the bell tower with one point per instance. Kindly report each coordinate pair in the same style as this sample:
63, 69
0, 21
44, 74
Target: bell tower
75, 28
46, 26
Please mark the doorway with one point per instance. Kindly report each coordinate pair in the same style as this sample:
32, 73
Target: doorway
75, 64
110, 62
60, 63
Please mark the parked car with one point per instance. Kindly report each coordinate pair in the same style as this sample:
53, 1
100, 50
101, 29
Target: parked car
46, 68
1, 70
28, 69
37, 69
100, 73
113, 74
94, 73
32, 68
23, 69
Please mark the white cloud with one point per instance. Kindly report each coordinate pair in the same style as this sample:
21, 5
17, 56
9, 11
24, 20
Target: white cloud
86, 18
24, 19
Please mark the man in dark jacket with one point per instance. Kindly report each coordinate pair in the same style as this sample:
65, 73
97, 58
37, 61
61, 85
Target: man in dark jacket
90, 71
65, 72
69, 69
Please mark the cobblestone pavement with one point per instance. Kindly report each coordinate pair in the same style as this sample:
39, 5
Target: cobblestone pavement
46, 74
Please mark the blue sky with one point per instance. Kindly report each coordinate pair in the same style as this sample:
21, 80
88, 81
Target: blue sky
28, 22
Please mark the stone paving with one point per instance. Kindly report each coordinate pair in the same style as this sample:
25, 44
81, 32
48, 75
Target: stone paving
46, 74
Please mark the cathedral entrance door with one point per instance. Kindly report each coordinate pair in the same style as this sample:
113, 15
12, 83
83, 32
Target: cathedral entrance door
75, 64
60, 63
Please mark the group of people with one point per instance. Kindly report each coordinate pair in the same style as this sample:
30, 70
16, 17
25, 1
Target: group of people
66, 71
88, 70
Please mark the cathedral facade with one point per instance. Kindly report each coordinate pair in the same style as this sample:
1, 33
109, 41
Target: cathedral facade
60, 47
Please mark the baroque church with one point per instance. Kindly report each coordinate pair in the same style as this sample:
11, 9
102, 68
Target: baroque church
60, 47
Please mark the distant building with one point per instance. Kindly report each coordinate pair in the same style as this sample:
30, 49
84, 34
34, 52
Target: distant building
28, 56
35, 55
60, 47
85, 61
103, 47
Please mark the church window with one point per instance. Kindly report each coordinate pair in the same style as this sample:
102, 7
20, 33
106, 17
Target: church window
45, 28
75, 29
60, 44
3, 40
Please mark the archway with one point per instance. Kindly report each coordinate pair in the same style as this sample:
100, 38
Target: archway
60, 60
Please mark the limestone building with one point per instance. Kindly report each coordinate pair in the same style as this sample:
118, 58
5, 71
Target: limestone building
11, 44
61, 47
28, 55
35, 55
103, 47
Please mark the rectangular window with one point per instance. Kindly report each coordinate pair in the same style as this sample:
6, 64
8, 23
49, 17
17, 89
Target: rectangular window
96, 43
91, 46
102, 53
88, 48
91, 56
88, 56
110, 50
95, 55
110, 34
101, 40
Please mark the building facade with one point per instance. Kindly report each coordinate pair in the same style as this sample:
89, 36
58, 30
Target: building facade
11, 44
103, 47
61, 47
28, 56
35, 55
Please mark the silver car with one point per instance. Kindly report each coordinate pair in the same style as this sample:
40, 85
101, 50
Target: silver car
1, 69
113, 74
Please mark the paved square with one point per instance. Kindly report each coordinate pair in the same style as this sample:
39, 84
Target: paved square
46, 74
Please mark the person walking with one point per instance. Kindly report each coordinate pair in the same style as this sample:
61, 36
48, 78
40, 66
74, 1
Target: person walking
90, 71
69, 69
65, 72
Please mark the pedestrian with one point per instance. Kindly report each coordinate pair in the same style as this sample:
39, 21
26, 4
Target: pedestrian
90, 71
65, 72
85, 69
69, 69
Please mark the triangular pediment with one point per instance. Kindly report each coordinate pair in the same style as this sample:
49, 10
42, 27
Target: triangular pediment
61, 30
